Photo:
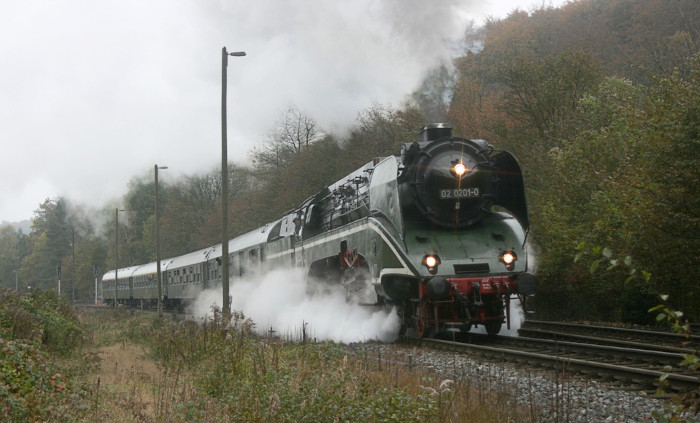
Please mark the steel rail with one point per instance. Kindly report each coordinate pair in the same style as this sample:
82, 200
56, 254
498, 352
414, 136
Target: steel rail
639, 333
644, 356
641, 377
546, 334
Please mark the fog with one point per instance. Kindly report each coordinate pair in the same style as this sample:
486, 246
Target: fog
282, 302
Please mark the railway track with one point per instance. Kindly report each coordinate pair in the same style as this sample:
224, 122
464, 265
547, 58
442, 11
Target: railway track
631, 368
649, 339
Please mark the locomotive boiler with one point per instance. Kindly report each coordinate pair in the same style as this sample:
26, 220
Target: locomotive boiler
438, 231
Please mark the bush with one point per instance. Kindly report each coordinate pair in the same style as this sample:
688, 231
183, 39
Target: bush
40, 316
32, 389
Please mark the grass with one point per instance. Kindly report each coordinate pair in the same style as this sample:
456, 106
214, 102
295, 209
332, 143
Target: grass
155, 370
141, 368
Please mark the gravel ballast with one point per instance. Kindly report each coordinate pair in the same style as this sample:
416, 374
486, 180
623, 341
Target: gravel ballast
550, 396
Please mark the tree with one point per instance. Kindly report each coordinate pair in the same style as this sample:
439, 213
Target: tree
192, 201
435, 93
294, 134
139, 204
624, 183
90, 251
380, 130
9, 256
543, 93
50, 241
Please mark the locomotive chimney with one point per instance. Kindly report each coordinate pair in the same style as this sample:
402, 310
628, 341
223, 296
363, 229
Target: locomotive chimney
435, 131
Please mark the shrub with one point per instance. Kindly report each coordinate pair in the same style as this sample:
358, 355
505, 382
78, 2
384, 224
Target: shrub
41, 316
32, 389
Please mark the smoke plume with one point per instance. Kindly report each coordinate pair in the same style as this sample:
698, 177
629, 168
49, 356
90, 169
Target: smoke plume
282, 302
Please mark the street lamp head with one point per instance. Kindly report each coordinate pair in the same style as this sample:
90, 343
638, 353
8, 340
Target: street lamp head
237, 53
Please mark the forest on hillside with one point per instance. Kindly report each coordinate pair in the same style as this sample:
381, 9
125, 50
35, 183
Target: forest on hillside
598, 99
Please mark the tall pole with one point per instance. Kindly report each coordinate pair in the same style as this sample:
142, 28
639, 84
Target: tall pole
159, 277
116, 254
226, 308
72, 268
95, 272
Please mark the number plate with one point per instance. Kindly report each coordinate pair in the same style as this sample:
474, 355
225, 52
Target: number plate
456, 193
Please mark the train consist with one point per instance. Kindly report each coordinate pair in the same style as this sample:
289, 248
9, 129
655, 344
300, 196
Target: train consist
438, 232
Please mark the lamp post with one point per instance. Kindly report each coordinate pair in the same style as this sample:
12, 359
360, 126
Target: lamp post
96, 272
226, 308
159, 278
72, 265
116, 254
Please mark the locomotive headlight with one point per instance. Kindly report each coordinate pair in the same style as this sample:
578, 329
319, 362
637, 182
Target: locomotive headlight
508, 258
431, 261
459, 169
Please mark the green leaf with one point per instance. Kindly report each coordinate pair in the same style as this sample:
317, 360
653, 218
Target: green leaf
690, 359
664, 297
656, 308
594, 266
607, 252
660, 317
628, 261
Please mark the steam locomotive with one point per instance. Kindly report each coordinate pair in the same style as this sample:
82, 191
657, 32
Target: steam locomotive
438, 232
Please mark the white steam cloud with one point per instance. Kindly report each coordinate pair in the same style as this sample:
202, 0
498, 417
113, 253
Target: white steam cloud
282, 301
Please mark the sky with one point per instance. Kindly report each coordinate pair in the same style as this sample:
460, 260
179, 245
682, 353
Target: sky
95, 93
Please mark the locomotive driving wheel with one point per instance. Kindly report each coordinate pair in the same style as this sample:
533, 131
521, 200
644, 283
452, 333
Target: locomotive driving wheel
420, 319
494, 308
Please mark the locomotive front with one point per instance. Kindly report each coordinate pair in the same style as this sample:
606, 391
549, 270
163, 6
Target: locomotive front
466, 222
